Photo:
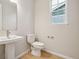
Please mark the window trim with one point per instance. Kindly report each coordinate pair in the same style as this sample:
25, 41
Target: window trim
65, 18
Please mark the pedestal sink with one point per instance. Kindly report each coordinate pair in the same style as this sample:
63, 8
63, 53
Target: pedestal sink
10, 45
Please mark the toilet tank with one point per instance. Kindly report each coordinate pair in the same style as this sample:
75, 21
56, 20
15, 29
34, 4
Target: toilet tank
30, 38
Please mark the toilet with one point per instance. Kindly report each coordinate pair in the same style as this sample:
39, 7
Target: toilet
36, 46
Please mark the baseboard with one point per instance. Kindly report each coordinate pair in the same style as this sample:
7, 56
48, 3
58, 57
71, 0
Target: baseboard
58, 54
19, 56
49, 51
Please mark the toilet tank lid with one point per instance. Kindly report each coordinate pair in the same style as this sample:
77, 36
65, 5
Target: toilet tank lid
30, 35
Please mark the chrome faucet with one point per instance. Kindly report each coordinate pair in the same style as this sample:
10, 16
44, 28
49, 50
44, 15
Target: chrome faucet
8, 33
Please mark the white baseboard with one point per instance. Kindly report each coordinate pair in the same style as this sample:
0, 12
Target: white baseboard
58, 54
19, 56
49, 51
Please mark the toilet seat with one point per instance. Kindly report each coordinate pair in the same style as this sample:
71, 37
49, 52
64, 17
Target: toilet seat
39, 45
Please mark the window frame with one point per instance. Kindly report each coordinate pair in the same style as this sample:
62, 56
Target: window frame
65, 17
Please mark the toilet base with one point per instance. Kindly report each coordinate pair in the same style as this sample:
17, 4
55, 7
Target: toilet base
36, 52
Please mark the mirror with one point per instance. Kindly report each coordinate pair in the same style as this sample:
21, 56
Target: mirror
0, 16
9, 15
58, 11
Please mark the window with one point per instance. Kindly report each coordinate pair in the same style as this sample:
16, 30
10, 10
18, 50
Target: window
60, 1
58, 11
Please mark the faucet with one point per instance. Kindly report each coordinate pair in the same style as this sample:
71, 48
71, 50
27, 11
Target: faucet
8, 32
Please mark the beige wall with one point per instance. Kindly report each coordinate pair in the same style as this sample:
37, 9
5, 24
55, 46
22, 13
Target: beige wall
66, 37
25, 23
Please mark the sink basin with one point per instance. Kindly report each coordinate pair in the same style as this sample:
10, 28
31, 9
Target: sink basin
12, 38
10, 45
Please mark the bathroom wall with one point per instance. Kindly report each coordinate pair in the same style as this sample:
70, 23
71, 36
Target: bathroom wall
66, 36
25, 25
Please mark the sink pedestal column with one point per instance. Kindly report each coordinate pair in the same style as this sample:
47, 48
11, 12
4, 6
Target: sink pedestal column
10, 51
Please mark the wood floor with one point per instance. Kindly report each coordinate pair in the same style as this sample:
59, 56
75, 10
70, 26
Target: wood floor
45, 55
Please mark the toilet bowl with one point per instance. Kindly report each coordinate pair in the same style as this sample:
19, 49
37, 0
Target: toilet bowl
36, 47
